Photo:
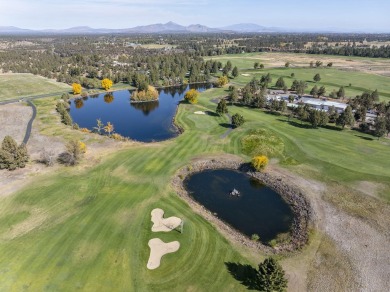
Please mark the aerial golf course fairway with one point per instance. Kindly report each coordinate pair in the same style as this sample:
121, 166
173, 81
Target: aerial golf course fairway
88, 228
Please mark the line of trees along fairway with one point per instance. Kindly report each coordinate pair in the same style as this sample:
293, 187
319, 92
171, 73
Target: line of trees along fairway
254, 94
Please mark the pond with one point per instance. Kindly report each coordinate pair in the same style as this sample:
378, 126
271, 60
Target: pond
146, 122
256, 210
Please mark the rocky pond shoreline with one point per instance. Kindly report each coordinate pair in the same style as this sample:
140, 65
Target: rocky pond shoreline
291, 194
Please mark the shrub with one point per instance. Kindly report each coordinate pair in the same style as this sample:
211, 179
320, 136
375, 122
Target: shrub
255, 237
85, 130
83, 147
259, 162
12, 156
74, 150
47, 157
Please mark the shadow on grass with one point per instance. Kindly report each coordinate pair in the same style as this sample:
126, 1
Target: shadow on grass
245, 274
226, 125
210, 113
365, 138
298, 125
333, 128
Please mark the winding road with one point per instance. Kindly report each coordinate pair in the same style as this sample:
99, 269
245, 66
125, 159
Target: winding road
29, 125
34, 112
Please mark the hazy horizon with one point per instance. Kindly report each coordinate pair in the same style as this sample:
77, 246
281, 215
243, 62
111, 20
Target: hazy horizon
306, 15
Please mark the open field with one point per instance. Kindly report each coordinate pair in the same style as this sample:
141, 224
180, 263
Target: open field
88, 227
25, 85
332, 78
375, 66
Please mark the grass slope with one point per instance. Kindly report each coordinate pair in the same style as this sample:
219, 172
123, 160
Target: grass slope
88, 229
25, 85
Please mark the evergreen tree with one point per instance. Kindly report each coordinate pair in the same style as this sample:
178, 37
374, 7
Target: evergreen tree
222, 107
380, 127
271, 276
346, 118
317, 77
314, 91
235, 72
237, 120
280, 83
341, 92
321, 91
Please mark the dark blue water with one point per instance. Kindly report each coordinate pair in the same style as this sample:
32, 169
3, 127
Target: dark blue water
258, 210
146, 122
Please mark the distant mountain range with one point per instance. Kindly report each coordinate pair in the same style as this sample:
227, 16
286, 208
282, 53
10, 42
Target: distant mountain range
169, 27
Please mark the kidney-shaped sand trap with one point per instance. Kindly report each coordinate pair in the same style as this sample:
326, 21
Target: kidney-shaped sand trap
158, 248
163, 224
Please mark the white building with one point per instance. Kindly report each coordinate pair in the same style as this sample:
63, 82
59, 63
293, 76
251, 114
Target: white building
324, 105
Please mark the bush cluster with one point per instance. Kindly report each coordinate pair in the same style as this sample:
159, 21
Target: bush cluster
12, 156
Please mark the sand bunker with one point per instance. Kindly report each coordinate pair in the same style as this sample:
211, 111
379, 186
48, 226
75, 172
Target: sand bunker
199, 113
158, 248
163, 224
244, 74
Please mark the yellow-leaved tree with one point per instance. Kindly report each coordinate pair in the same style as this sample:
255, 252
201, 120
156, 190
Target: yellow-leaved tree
109, 128
106, 83
76, 87
260, 162
222, 81
149, 94
192, 96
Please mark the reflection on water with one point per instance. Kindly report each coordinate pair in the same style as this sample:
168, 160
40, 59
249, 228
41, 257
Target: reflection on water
146, 121
145, 107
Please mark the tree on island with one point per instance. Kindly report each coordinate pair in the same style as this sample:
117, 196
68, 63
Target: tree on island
237, 120
192, 96
221, 107
106, 84
144, 93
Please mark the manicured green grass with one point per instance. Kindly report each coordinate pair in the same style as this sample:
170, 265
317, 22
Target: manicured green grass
331, 78
89, 229
25, 85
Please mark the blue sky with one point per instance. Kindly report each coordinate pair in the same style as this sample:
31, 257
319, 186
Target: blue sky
344, 15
